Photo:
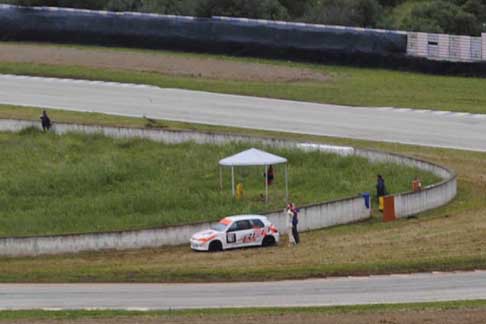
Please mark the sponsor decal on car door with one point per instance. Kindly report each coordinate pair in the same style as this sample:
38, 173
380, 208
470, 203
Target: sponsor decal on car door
258, 231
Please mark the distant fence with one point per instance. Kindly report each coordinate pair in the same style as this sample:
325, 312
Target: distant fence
430, 53
447, 47
312, 217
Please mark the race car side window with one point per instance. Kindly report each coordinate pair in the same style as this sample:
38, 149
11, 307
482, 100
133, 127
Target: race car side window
244, 225
240, 226
257, 223
233, 227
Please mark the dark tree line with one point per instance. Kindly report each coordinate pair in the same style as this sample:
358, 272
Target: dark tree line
448, 16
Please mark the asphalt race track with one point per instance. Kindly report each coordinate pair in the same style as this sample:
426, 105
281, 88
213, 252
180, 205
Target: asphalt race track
421, 127
423, 287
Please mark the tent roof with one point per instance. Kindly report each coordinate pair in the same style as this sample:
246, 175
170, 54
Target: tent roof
252, 156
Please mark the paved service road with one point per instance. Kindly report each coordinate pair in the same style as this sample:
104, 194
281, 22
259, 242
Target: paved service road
424, 287
421, 127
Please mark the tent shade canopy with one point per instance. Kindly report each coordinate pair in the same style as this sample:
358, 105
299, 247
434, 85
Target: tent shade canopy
252, 156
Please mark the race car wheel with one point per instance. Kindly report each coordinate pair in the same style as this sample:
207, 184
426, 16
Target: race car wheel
268, 241
215, 246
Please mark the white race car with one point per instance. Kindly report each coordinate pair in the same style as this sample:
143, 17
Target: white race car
235, 232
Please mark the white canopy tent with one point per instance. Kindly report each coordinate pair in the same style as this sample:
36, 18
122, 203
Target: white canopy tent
253, 157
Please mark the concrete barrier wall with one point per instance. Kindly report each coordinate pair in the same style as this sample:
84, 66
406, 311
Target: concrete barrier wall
323, 215
378, 156
123, 240
164, 136
312, 217
409, 204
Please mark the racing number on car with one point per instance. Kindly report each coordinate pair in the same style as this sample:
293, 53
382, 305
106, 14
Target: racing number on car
250, 238
231, 238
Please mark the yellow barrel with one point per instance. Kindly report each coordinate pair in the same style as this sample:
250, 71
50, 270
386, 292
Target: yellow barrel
239, 191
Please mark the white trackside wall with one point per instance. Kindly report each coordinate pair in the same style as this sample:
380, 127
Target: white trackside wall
483, 40
447, 47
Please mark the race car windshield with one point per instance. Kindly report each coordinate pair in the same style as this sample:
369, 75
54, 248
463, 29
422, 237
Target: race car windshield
218, 227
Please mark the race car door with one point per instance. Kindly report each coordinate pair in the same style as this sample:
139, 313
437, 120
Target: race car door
259, 230
239, 234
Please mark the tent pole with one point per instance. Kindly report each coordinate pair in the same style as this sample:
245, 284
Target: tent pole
266, 183
233, 180
286, 183
221, 178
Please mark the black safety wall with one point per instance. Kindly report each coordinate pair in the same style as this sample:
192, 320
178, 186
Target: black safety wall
341, 45
212, 35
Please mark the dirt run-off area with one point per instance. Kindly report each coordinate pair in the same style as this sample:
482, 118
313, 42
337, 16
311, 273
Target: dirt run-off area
463, 316
153, 61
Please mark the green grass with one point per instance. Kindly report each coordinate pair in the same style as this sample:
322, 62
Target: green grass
239, 312
52, 184
346, 86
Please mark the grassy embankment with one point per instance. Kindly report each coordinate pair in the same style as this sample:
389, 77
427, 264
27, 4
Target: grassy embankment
448, 238
76, 183
238, 314
346, 85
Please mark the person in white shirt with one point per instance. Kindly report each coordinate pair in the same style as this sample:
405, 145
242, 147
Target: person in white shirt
290, 217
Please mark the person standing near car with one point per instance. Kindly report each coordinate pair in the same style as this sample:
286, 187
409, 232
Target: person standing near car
295, 222
290, 231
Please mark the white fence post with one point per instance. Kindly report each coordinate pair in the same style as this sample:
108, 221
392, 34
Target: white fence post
483, 39
422, 44
444, 47
412, 43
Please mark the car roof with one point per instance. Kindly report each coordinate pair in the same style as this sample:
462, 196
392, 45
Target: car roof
243, 217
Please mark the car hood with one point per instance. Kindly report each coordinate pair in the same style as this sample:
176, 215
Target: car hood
209, 233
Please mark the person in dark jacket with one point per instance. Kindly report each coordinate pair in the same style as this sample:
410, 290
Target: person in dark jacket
380, 187
45, 121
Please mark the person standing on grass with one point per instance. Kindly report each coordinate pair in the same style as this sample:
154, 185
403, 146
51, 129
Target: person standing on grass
45, 121
290, 217
416, 184
295, 222
270, 175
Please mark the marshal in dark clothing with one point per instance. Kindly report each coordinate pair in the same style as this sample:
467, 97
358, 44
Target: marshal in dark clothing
45, 121
380, 187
